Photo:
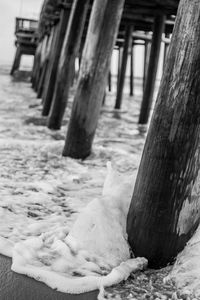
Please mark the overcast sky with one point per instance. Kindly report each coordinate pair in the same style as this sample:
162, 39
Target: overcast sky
9, 9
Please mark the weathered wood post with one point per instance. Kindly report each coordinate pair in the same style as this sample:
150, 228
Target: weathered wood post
132, 71
45, 58
110, 81
54, 59
41, 64
42, 78
165, 207
101, 36
152, 69
40, 61
17, 60
66, 70
126, 50
166, 47
50, 53
147, 45
36, 64
104, 99
119, 64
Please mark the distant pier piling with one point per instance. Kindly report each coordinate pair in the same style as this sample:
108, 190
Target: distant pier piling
54, 60
69, 53
152, 69
93, 76
132, 70
126, 51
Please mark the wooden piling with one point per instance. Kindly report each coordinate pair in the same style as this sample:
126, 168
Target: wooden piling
126, 50
166, 47
104, 99
146, 61
66, 70
109, 81
152, 69
41, 52
44, 75
119, 64
38, 70
17, 60
164, 211
101, 36
36, 65
40, 64
44, 61
42, 78
53, 61
132, 71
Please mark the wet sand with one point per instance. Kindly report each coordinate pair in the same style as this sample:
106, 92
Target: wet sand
15, 286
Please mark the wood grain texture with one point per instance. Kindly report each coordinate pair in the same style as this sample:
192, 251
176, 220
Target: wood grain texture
165, 207
95, 63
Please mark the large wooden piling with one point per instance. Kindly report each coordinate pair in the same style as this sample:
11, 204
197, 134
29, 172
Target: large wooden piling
66, 70
101, 36
165, 207
53, 61
152, 69
126, 51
